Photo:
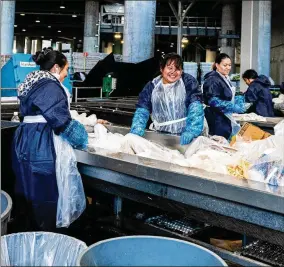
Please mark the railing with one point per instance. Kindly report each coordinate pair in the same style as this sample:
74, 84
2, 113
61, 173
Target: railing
171, 21
86, 88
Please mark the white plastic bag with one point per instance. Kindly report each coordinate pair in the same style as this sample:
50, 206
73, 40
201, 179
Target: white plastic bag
269, 168
40, 249
279, 128
71, 200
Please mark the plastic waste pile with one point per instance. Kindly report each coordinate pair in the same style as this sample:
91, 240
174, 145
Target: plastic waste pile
260, 160
248, 117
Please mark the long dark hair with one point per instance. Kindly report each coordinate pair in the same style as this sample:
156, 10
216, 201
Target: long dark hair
48, 57
219, 59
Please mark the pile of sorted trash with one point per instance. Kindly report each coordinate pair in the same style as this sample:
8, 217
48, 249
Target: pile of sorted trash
245, 158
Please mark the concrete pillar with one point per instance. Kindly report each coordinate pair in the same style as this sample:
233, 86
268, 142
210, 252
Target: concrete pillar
38, 45
20, 44
90, 27
139, 30
210, 55
228, 27
7, 26
59, 46
28, 45
256, 36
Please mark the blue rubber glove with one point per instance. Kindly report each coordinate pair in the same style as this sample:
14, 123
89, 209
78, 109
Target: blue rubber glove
76, 135
186, 138
139, 121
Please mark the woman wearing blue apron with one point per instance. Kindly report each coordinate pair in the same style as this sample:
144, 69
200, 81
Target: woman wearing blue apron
174, 101
219, 96
43, 159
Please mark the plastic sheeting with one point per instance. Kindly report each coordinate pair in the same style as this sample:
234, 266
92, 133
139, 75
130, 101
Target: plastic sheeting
71, 200
40, 249
168, 105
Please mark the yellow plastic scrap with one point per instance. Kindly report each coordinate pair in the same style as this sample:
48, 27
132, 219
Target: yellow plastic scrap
239, 170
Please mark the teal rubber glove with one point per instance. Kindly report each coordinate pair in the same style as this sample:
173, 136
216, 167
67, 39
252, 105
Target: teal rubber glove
186, 138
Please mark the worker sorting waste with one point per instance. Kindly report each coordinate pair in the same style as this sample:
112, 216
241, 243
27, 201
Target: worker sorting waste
219, 96
174, 101
43, 158
258, 93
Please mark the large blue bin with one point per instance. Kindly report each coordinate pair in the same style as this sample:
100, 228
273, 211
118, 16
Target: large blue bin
15, 71
6, 207
147, 251
40, 249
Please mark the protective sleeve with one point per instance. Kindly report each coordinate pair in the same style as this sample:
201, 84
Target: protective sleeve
193, 92
144, 100
194, 123
51, 100
251, 95
139, 121
225, 106
75, 134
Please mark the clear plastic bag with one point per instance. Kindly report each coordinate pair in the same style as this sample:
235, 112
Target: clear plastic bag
279, 128
269, 168
134, 144
71, 200
168, 105
40, 249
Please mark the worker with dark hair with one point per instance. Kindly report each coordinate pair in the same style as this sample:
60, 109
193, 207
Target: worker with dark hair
174, 101
258, 93
219, 96
47, 125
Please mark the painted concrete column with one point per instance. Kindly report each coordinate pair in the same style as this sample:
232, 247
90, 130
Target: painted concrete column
7, 26
139, 30
28, 45
20, 44
256, 37
38, 45
90, 27
228, 27
210, 55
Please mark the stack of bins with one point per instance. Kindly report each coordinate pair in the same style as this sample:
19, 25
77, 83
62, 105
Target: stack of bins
205, 67
190, 68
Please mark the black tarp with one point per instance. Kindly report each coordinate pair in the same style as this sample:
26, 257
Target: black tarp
131, 77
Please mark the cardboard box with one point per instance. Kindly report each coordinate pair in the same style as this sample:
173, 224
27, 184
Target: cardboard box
250, 132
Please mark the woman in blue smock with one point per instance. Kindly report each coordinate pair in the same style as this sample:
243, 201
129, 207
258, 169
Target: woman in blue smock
174, 101
219, 96
45, 107
258, 93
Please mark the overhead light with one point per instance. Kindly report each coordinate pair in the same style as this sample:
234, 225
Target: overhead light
58, 31
117, 36
48, 26
158, 50
74, 38
22, 14
62, 6
80, 41
182, 45
15, 26
122, 42
74, 16
42, 36
37, 21
50, 39
184, 40
23, 30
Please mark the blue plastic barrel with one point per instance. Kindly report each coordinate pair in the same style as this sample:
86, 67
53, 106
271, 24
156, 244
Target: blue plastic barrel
6, 207
40, 249
147, 251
